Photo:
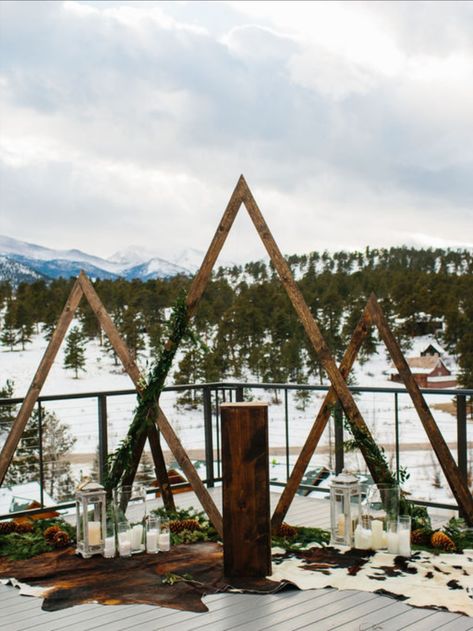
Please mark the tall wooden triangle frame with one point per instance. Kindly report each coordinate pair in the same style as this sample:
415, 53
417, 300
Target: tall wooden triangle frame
339, 389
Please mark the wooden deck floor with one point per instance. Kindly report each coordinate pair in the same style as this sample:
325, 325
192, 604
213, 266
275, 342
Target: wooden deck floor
320, 609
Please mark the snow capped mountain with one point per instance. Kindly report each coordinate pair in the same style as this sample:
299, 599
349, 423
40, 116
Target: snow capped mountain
21, 258
15, 272
154, 268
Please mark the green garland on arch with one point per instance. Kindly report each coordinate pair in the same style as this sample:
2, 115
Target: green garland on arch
148, 400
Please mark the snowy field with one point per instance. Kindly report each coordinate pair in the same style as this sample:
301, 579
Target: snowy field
426, 479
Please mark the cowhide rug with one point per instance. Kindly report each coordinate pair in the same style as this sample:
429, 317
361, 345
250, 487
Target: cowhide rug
425, 580
64, 579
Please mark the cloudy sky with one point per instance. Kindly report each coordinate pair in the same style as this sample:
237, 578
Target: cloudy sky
129, 123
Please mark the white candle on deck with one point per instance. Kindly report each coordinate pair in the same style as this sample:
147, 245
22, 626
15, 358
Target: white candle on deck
124, 548
152, 540
393, 542
376, 534
359, 537
109, 550
165, 541
94, 532
137, 537
404, 541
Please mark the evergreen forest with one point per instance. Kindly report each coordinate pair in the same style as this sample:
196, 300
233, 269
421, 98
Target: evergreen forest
245, 325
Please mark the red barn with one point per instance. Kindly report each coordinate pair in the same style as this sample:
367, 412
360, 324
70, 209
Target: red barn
429, 372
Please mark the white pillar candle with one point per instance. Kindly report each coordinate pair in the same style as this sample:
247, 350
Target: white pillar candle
358, 537
152, 541
341, 525
404, 541
376, 534
109, 549
165, 541
94, 532
137, 537
124, 548
393, 542
366, 539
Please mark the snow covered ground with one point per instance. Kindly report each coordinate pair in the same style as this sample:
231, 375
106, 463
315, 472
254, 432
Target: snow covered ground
377, 409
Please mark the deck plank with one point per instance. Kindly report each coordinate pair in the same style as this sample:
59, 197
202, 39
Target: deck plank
285, 611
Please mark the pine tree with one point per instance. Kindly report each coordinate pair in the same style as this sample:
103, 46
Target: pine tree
7, 412
57, 443
9, 336
74, 355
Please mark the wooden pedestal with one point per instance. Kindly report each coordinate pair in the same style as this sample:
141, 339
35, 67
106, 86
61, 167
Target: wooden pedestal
246, 508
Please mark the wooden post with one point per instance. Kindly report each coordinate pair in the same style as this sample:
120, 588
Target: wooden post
246, 508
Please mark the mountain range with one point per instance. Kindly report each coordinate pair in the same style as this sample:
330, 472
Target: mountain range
26, 262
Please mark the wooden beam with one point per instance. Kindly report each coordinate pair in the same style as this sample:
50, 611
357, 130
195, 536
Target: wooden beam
202, 277
133, 371
190, 472
379, 474
446, 460
285, 500
39, 378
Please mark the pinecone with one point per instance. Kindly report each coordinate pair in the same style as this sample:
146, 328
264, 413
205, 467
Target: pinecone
50, 533
286, 531
6, 527
61, 539
421, 537
178, 525
442, 541
23, 527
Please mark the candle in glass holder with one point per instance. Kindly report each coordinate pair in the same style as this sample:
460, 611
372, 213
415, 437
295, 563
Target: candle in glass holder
376, 534
404, 535
109, 549
137, 538
94, 532
165, 540
124, 539
152, 534
392, 536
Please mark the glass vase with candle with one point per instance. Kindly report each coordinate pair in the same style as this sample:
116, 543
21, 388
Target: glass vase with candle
90, 518
130, 505
382, 502
404, 535
164, 538
124, 539
110, 540
152, 534
345, 502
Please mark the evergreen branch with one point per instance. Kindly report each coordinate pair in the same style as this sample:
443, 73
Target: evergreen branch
146, 412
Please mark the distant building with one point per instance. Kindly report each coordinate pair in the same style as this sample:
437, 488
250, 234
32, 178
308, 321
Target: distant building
432, 351
429, 371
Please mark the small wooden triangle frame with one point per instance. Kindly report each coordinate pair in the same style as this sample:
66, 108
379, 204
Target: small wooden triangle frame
373, 316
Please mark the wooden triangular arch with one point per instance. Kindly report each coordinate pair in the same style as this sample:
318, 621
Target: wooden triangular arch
373, 316
83, 287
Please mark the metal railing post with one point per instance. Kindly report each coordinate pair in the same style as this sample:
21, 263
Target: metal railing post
396, 430
339, 447
209, 448
286, 425
40, 450
103, 436
462, 449
239, 398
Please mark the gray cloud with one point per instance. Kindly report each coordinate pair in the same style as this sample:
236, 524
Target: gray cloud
137, 118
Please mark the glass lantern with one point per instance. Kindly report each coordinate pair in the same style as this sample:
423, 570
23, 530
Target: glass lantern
91, 519
345, 503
